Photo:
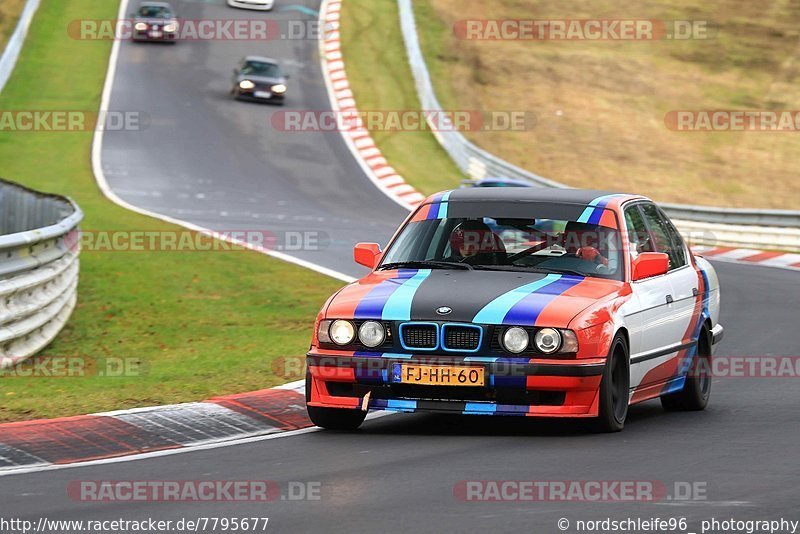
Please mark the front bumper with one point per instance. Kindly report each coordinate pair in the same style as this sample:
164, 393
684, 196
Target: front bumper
514, 386
250, 94
149, 35
248, 5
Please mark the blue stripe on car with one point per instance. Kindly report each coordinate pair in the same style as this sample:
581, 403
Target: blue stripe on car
495, 312
398, 305
526, 311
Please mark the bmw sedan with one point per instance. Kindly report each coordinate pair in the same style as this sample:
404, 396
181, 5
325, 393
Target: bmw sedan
259, 78
520, 302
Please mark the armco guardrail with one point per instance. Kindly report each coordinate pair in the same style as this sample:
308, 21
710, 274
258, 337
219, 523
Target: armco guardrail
478, 163
39, 247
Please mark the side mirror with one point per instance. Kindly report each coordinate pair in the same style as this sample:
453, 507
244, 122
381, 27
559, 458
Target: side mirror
367, 254
286, 76
649, 264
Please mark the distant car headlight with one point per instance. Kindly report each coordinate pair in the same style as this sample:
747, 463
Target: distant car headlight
171, 27
342, 332
548, 340
279, 89
372, 334
140, 26
246, 84
516, 339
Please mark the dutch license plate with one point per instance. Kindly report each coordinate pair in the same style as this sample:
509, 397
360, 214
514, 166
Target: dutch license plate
263, 94
438, 375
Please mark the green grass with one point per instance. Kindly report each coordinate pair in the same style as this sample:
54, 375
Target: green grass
202, 323
380, 77
600, 106
9, 15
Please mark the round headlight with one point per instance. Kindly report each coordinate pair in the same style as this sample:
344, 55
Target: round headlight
279, 89
515, 339
169, 28
246, 84
371, 334
141, 26
548, 340
342, 332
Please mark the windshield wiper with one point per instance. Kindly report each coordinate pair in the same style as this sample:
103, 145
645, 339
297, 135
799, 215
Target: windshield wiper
522, 268
425, 263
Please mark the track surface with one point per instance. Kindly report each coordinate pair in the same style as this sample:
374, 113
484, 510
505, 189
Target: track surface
216, 162
219, 163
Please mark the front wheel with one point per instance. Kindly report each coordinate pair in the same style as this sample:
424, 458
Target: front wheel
614, 389
336, 418
697, 388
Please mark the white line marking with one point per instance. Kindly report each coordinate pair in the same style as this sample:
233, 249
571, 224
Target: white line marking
157, 454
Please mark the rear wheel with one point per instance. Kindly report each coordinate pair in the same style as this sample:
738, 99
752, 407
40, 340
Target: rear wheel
697, 389
614, 389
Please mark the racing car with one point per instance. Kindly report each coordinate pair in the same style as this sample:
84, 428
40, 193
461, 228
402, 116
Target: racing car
259, 5
259, 78
519, 302
155, 21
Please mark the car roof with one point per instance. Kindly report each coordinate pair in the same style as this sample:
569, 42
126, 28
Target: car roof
262, 59
155, 4
530, 194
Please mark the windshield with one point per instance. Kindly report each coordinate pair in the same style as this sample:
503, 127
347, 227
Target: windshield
260, 68
155, 12
502, 244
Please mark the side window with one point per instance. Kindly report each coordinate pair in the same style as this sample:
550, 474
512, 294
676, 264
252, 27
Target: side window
660, 231
677, 241
637, 231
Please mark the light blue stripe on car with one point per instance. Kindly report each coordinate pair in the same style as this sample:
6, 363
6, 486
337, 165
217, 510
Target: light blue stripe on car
396, 356
587, 213
495, 312
401, 405
478, 408
480, 359
398, 305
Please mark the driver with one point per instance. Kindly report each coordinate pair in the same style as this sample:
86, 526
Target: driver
473, 242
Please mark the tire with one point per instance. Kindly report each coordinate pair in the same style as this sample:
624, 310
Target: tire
614, 389
336, 418
332, 418
697, 390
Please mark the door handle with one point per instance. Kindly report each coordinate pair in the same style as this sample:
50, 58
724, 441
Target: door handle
670, 300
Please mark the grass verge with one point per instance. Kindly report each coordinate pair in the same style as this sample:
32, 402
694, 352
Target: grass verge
601, 105
381, 79
10, 11
200, 323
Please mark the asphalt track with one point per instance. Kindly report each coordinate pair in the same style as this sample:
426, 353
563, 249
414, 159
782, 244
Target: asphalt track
216, 162
219, 163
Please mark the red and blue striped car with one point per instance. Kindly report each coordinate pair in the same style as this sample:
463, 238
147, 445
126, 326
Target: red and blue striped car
519, 302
